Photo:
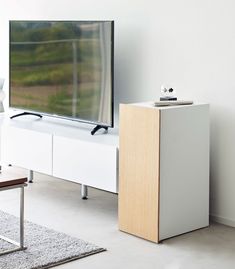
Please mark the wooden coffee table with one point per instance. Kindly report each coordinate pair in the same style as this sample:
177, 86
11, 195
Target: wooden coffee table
11, 180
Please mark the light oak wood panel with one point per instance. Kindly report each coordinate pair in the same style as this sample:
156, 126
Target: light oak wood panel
139, 171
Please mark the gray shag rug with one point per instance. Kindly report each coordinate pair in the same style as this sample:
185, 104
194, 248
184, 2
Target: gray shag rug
45, 248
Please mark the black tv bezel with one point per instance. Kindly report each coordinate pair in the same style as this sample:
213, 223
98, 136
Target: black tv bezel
111, 125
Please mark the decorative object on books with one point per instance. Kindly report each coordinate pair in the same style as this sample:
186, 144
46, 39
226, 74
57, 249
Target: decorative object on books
167, 93
46, 248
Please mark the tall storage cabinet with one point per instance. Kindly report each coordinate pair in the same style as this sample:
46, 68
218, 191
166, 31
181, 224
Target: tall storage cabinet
163, 170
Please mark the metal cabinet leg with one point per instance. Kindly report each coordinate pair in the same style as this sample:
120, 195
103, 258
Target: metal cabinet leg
84, 192
30, 176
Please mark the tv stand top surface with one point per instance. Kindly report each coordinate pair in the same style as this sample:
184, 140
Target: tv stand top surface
66, 128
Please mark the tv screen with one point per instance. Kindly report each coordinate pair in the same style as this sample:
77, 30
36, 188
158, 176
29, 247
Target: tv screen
63, 68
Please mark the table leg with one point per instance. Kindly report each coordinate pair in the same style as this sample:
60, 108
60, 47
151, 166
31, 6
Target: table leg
18, 246
22, 217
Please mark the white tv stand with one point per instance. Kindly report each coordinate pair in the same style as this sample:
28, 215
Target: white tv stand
62, 149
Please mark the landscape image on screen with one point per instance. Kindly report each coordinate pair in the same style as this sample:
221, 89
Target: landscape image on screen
62, 68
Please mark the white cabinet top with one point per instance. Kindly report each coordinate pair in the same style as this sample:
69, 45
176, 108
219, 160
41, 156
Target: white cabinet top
151, 105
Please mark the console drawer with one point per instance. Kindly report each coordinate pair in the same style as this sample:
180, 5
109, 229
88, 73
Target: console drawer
84, 162
28, 149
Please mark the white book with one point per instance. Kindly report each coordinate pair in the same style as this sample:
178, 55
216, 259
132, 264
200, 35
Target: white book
173, 103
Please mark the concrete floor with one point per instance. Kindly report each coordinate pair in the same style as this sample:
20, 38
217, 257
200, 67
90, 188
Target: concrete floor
56, 204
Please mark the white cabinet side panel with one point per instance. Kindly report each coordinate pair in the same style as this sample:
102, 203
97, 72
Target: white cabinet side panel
91, 164
28, 149
184, 170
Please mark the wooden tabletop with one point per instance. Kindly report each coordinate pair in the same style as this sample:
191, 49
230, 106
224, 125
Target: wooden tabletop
9, 177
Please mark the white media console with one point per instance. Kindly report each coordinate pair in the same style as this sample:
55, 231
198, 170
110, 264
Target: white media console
164, 163
62, 149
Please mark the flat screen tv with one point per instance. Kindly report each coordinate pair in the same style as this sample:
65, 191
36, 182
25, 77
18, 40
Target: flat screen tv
63, 69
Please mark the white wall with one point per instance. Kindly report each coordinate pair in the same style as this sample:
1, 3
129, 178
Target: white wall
187, 43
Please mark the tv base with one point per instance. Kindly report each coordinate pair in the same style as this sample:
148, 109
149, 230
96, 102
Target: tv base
26, 113
98, 127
